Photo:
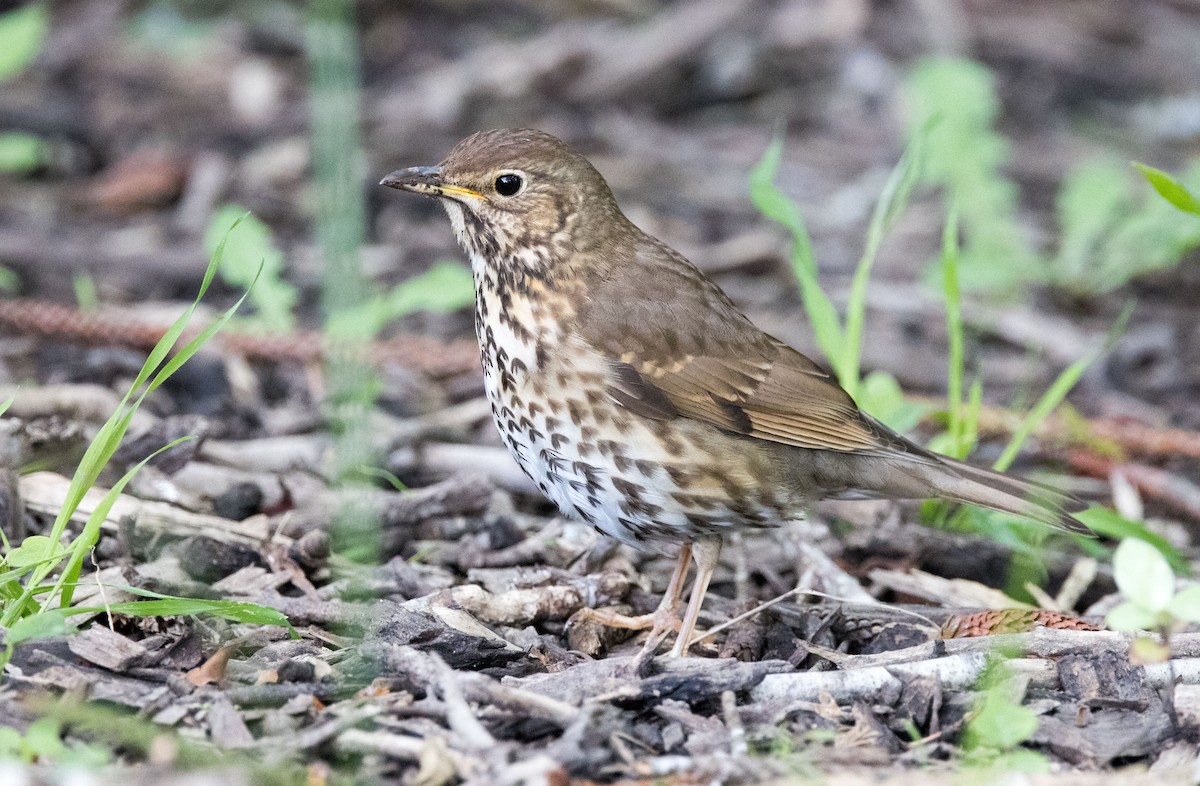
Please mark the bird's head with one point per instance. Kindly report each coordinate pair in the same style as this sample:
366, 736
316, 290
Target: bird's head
516, 197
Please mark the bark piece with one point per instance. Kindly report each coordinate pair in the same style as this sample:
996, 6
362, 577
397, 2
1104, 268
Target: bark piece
225, 724
103, 647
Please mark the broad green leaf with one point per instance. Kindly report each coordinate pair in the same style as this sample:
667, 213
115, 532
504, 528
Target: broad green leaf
33, 550
880, 396
43, 738
1171, 189
447, 286
1186, 605
10, 742
36, 626
22, 32
1110, 524
1143, 575
21, 152
953, 101
1001, 723
253, 261
1130, 616
1090, 201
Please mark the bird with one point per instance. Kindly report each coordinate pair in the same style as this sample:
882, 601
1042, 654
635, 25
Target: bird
637, 396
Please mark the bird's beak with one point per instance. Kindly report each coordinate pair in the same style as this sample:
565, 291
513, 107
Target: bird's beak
426, 180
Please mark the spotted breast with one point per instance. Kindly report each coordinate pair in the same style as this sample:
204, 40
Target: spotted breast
633, 478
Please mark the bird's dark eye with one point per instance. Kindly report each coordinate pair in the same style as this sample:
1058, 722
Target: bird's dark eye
507, 185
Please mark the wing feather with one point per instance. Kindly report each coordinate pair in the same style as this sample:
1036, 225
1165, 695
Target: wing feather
678, 347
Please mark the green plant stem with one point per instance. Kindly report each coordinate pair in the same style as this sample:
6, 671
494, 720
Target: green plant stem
954, 330
156, 370
341, 226
893, 199
1055, 394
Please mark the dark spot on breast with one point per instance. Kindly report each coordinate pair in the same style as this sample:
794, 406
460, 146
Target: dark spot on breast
646, 468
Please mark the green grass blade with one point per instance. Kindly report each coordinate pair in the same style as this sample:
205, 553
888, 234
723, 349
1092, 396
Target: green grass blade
954, 330
770, 200
152, 374
970, 422
1055, 395
86, 541
1170, 189
108, 438
53, 622
1042, 409
891, 204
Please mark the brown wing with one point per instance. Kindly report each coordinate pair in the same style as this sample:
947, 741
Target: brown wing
774, 399
679, 348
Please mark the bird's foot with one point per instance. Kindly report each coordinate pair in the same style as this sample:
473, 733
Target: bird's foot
659, 619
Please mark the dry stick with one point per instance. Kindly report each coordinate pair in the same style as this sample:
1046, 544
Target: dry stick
954, 672
800, 591
461, 719
423, 353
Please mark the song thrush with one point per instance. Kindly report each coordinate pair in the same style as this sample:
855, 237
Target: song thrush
636, 395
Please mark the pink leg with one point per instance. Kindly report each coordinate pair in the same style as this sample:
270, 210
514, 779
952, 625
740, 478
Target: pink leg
707, 554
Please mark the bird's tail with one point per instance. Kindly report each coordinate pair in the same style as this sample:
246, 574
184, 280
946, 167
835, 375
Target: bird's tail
960, 482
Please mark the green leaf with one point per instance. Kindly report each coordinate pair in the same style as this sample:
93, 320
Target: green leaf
1110, 524
1186, 605
880, 396
1092, 199
447, 286
34, 550
893, 200
237, 611
1130, 616
10, 742
1002, 723
1143, 575
86, 540
159, 366
252, 257
1170, 189
54, 622
21, 152
43, 738
770, 200
954, 102
22, 32
958, 448
1055, 394
36, 626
